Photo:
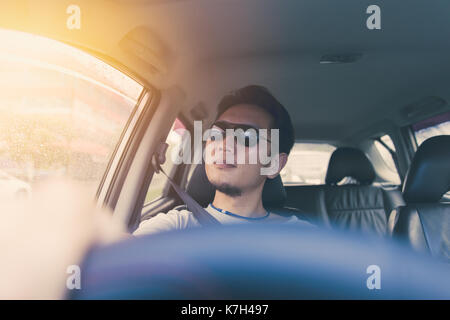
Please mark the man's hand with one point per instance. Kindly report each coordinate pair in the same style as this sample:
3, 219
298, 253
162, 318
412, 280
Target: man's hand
159, 157
41, 237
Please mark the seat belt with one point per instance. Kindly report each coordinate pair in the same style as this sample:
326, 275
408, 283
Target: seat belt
202, 216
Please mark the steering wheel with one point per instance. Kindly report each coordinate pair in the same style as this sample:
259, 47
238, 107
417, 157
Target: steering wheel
260, 262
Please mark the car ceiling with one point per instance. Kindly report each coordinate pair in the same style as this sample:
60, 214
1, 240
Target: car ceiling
209, 47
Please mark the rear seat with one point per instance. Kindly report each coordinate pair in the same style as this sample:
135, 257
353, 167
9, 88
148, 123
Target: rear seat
357, 206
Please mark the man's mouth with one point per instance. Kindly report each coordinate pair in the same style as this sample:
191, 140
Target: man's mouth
224, 165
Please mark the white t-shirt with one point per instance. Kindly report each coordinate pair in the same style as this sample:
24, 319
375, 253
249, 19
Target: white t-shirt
183, 219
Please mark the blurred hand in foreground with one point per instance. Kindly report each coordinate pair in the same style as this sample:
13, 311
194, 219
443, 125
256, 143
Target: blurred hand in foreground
42, 236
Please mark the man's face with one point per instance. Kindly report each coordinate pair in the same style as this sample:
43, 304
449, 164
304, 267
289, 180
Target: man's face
235, 178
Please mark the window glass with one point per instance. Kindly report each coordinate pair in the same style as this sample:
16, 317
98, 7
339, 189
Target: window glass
387, 157
384, 152
388, 141
435, 126
61, 112
175, 142
307, 164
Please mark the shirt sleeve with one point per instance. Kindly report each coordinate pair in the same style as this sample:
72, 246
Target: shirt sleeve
162, 222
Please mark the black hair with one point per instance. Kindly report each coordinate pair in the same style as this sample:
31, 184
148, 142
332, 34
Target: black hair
262, 98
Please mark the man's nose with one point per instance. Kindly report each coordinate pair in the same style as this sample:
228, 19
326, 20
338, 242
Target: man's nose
228, 143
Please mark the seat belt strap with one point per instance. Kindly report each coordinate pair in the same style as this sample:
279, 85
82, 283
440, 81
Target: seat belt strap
202, 216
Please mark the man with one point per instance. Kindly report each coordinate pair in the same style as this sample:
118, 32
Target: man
239, 186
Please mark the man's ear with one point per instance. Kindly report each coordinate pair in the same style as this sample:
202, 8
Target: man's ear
282, 160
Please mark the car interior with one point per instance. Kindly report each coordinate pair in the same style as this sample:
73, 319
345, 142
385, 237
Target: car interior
378, 102
355, 116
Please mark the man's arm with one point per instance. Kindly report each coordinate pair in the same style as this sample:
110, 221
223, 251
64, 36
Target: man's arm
172, 220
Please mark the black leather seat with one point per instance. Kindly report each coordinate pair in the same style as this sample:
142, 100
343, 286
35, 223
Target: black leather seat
425, 219
274, 194
357, 205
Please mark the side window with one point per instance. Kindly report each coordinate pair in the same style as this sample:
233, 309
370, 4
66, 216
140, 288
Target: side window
307, 164
175, 142
62, 112
386, 149
435, 126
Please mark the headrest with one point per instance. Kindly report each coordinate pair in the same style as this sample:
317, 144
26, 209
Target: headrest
428, 177
349, 162
199, 188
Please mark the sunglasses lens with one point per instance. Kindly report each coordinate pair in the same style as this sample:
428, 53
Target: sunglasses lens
250, 138
244, 135
215, 134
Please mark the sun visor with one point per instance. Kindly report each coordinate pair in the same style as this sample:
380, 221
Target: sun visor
143, 44
420, 109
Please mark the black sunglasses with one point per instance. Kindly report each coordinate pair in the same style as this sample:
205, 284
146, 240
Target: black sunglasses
244, 134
